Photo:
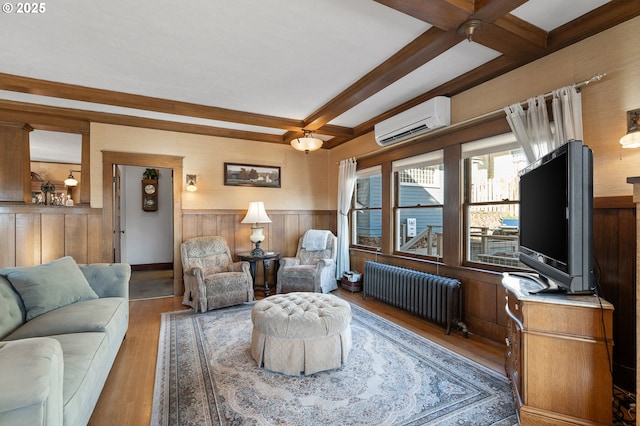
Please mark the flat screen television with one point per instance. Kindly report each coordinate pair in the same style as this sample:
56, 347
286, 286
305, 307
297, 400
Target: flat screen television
556, 216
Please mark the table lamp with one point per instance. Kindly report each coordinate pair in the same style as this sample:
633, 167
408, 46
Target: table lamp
256, 215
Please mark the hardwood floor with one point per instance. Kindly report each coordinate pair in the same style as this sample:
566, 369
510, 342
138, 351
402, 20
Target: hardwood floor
127, 396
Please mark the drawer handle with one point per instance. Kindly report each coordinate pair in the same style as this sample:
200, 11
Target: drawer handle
515, 319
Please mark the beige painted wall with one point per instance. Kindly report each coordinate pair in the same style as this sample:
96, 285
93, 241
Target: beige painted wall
604, 103
304, 177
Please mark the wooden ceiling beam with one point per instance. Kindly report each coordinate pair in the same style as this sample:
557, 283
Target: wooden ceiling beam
120, 99
604, 17
442, 14
43, 114
425, 47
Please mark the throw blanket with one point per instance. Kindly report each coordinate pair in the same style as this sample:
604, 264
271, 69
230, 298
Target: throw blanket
315, 240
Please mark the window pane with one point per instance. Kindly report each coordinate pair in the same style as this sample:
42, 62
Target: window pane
421, 186
368, 228
369, 192
420, 230
494, 177
493, 234
367, 212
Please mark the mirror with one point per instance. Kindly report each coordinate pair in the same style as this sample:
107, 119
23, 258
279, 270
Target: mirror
53, 155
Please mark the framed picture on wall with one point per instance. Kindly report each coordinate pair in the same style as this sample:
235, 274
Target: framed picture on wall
251, 175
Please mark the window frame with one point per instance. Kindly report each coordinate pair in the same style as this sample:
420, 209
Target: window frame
364, 173
431, 158
495, 144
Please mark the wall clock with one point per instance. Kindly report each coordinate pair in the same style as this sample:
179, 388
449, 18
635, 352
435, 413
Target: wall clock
149, 195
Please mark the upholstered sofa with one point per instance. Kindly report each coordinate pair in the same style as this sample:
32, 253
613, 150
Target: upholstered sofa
61, 326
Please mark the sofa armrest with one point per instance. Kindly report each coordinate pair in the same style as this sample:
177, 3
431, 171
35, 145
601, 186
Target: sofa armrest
323, 263
241, 266
31, 391
285, 262
195, 292
108, 279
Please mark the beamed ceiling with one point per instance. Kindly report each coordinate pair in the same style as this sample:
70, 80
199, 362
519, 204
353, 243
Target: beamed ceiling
264, 70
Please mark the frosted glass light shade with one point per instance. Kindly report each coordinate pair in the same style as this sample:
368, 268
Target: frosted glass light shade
70, 180
307, 143
632, 138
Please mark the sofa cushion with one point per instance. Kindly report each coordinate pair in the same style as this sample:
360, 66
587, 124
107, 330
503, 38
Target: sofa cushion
46, 287
97, 315
87, 361
12, 313
32, 373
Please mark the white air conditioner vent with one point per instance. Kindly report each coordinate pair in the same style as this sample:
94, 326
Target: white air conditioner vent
415, 121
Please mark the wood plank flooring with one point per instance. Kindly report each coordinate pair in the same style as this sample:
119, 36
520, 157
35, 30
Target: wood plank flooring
127, 396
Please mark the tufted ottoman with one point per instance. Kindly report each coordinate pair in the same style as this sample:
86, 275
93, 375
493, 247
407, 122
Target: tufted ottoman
301, 332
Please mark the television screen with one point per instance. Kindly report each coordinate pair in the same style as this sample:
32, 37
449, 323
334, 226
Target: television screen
543, 211
556, 207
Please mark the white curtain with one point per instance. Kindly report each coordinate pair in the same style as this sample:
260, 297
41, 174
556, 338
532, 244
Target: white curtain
567, 114
532, 128
346, 185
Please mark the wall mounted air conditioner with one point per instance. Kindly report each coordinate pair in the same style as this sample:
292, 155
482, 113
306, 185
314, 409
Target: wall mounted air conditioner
415, 121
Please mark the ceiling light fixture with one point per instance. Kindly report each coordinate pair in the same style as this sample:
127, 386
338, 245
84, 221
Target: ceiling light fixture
307, 142
632, 138
469, 28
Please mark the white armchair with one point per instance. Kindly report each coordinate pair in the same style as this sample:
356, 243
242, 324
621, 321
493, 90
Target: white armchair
314, 267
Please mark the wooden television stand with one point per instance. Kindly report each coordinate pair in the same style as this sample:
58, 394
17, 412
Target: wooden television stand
558, 357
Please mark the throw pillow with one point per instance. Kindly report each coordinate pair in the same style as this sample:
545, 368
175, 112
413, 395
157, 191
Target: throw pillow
52, 285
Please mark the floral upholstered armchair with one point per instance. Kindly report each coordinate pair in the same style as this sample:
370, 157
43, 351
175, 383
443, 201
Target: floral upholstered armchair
211, 279
314, 267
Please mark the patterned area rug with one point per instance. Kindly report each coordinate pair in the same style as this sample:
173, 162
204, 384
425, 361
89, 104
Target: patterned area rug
206, 376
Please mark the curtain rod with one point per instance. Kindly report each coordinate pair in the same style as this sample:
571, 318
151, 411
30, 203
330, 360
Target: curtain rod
594, 79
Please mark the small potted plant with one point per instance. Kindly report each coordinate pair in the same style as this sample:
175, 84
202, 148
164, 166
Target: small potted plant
150, 174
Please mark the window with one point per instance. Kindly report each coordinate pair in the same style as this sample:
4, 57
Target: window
492, 200
419, 197
366, 219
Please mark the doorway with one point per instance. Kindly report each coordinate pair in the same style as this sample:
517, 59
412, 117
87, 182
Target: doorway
145, 231
112, 159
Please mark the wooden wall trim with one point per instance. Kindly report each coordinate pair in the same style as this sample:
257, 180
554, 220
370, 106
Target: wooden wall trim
244, 211
112, 158
620, 202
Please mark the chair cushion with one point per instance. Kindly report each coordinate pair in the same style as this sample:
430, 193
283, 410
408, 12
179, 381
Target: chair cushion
52, 285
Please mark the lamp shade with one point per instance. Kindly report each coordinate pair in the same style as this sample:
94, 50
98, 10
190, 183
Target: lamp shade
70, 180
632, 138
256, 213
306, 143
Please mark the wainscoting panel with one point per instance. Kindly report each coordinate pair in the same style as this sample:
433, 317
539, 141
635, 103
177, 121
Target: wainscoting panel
614, 241
33, 234
281, 235
482, 292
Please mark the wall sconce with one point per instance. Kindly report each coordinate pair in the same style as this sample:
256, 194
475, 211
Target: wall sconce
256, 215
191, 183
70, 180
632, 138
307, 142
